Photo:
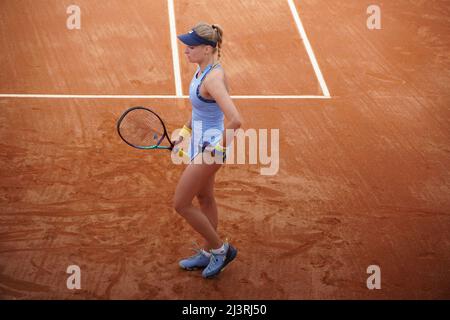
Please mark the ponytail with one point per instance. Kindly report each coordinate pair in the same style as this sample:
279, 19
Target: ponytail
218, 35
213, 33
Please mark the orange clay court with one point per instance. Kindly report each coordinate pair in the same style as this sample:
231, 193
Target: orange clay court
364, 173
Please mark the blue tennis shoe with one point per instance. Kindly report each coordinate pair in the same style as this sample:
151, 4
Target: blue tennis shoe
219, 261
198, 261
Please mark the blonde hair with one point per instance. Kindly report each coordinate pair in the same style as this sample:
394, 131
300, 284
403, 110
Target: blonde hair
211, 32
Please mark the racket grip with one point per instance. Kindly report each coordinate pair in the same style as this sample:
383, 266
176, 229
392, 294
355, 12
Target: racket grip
182, 154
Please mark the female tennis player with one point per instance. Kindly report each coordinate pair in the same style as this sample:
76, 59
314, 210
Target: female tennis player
211, 103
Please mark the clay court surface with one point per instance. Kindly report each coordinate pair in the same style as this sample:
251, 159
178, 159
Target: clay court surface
363, 176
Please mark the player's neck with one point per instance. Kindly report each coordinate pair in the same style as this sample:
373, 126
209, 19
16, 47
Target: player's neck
204, 64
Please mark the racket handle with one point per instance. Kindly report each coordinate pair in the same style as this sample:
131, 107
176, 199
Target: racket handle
180, 152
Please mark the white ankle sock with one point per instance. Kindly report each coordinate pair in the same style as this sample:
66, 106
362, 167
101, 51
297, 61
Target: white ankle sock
206, 253
220, 250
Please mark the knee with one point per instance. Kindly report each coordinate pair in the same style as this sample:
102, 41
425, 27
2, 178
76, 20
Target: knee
179, 206
205, 200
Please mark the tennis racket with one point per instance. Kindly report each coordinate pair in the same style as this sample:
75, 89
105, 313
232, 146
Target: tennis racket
142, 128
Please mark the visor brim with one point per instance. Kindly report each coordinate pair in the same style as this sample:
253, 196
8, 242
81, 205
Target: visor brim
189, 40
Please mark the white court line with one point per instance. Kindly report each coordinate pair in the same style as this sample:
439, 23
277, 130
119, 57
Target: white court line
177, 73
281, 97
309, 49
175, 57
118, 96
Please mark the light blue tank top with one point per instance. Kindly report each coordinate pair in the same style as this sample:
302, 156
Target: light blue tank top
207, 117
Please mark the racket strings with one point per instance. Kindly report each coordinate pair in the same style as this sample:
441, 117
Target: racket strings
141, 128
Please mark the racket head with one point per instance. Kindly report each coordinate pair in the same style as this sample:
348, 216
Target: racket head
142, 128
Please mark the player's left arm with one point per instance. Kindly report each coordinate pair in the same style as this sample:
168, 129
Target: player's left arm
215, 85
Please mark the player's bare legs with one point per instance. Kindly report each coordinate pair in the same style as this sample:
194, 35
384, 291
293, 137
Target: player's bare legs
196, 179
208, 205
